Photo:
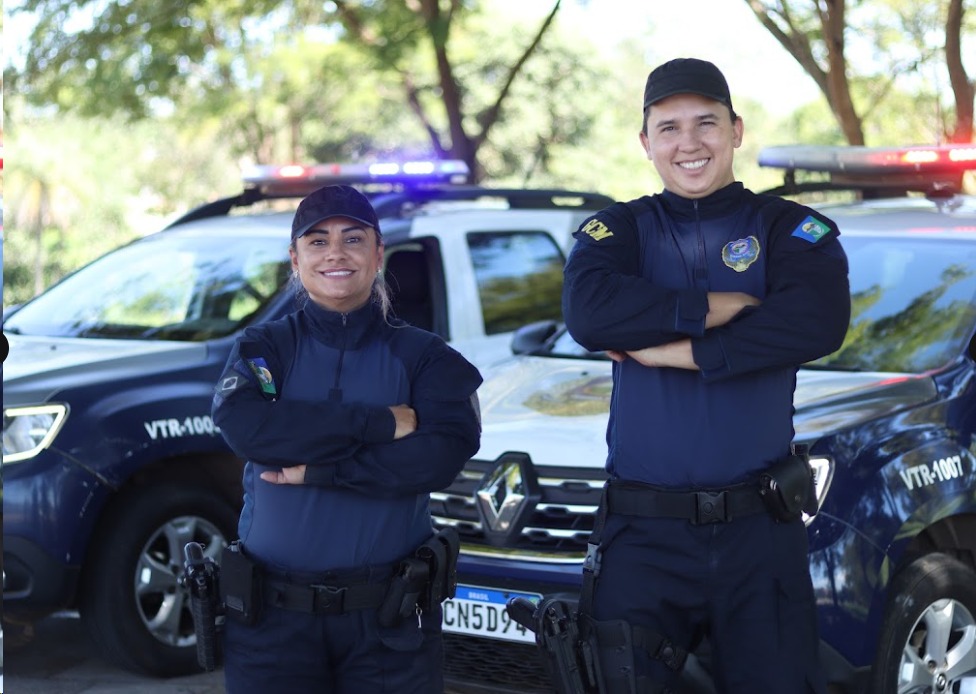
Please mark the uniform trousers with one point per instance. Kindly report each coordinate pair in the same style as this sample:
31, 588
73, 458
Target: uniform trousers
744, 584
291, 652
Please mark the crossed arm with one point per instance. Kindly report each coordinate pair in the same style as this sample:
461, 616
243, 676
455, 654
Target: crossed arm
722, 307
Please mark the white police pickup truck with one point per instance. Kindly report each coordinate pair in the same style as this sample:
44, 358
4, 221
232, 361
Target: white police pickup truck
111, 462
890, 419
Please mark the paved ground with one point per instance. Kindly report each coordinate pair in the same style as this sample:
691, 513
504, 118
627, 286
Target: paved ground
59, 660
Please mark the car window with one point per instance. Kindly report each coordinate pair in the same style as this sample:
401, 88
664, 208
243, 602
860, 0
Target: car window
913, 303
168, 286
519, 276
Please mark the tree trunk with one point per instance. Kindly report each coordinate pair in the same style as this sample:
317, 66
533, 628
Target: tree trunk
962, 88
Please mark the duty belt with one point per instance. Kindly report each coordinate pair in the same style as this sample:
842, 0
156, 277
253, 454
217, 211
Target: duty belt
324, 599
698, 507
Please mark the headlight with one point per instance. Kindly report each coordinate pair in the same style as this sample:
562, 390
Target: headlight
823, 475
29, 430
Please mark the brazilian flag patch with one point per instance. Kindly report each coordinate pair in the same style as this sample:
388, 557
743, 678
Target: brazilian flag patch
811, 230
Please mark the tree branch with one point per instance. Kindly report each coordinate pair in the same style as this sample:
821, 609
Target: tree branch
490, 116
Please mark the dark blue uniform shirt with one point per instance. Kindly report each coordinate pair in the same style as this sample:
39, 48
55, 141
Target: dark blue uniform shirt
315, 388
639, 275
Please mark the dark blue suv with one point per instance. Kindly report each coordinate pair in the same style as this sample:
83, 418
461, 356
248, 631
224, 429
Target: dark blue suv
890, 419
111, 462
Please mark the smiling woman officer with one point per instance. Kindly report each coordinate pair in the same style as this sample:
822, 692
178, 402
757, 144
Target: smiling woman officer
347, 419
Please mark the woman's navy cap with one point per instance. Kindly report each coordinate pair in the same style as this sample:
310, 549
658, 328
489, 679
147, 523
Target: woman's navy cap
686, 76
333, 201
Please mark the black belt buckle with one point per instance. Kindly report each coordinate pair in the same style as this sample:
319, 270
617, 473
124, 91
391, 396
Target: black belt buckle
328, 599
710, 508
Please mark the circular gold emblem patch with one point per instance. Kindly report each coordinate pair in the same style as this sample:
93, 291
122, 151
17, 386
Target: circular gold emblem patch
740, 254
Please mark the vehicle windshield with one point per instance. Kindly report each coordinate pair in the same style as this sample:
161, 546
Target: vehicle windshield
174, 285
913, 306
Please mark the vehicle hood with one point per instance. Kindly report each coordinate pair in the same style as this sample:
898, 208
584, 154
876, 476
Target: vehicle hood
38, 368
556, 409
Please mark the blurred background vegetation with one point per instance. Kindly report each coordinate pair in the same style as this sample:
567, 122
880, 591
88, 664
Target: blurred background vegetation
120, 115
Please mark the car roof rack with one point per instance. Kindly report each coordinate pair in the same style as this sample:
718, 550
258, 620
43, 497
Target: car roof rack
396, 189
875, 172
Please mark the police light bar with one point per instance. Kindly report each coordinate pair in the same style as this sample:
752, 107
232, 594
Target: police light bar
871, 161
296, 178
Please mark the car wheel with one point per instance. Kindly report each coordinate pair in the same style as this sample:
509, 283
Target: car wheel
132, 604
928, 638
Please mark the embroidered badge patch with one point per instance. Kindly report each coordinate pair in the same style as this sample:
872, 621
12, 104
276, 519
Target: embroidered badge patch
596, 230
811, 230
260, 369
740, 254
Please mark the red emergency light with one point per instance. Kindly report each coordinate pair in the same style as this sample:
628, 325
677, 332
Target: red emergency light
869, 161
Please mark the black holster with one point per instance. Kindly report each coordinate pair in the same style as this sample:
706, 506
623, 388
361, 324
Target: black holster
566, 658
241, 587
201, 578
440, 553
787, 488
423, 581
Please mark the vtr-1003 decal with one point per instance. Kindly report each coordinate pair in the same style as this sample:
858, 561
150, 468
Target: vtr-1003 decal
174, 428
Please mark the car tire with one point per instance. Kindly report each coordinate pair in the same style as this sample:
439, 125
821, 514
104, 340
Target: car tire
928, 637
131, 604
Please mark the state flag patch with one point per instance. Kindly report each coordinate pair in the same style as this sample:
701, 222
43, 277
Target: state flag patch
811, 230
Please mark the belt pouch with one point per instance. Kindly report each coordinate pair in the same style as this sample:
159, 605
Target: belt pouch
440, 553
240, 585
787, 487
404, 593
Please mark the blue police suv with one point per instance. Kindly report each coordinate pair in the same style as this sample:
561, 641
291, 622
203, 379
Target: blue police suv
890, 419
111, 462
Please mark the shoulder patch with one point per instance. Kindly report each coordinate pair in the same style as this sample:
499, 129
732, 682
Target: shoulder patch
596, 230
811, 229
259, 372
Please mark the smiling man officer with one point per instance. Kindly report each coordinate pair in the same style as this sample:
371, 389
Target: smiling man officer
708, 297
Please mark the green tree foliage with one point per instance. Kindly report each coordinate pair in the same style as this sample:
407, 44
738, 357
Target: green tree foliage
901, 47
79, 187
245, 58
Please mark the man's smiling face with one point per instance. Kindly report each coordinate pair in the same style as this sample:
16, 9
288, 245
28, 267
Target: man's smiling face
691, 139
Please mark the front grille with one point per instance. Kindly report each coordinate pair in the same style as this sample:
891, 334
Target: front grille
506, 665
558, 527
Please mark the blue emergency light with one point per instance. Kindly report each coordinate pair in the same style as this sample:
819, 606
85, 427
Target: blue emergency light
290, 178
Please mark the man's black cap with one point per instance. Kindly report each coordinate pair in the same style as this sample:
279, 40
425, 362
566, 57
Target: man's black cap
333, 201
686, 76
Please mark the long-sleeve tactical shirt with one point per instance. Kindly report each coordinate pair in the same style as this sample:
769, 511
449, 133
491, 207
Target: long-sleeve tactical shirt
315, 388
639, 275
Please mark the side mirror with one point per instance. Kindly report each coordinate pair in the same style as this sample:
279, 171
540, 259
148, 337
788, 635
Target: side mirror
532, 337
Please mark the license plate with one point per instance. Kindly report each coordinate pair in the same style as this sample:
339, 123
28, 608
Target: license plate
481, 612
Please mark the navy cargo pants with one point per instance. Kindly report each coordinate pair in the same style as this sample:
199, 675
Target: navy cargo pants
290, 652
744, 584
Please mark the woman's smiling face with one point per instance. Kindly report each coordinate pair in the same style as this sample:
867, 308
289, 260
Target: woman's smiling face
337, 261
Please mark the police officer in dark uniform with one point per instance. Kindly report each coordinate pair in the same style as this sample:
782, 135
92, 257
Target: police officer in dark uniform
348, 419
707, 297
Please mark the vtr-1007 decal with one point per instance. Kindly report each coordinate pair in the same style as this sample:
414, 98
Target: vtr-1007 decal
940, 470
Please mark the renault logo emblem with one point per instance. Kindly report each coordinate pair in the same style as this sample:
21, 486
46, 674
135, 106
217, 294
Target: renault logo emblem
506, 496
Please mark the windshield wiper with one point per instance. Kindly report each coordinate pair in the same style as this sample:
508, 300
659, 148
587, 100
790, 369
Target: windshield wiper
813, 366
